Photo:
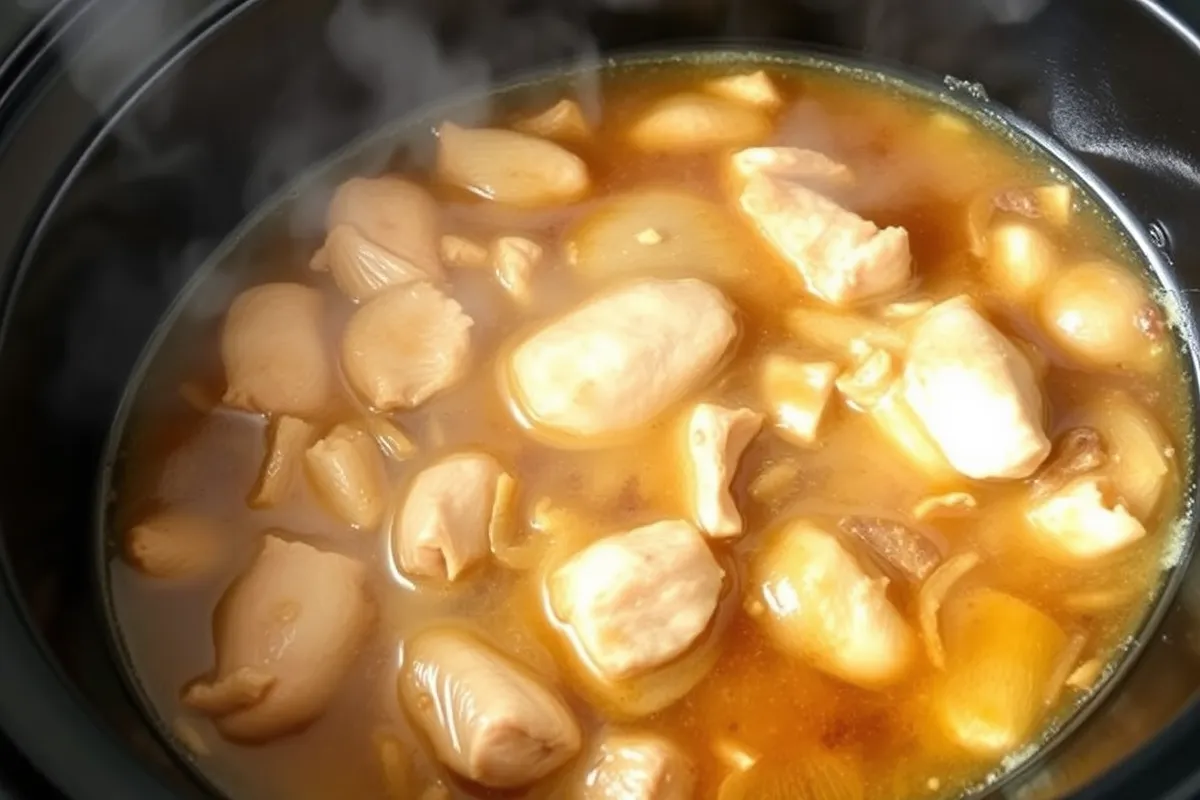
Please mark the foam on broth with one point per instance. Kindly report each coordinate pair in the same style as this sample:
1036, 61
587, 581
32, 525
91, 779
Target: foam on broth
923, 163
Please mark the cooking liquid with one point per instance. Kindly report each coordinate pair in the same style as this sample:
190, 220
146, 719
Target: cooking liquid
925, 162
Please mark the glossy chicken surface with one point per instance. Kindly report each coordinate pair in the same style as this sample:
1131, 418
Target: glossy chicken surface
753, 432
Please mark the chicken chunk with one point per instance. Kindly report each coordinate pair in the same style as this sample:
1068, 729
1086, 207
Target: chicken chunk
274, 351
347, 470
794, 164
841, 257
638, 600
393, 214
405, 346
716, 438
1083, 520
821, 606
638, 766
621, 359
975, 393
487, 718
285, 634
510, 167
797, 393
445, 525
175, 545
693, 123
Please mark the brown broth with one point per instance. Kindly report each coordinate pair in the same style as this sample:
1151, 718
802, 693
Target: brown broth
926, 162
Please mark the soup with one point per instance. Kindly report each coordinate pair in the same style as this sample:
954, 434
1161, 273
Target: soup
763, 430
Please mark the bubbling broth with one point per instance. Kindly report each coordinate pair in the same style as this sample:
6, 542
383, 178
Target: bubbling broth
763, 431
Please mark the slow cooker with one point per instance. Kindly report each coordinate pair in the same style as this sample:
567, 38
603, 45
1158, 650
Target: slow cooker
136, 134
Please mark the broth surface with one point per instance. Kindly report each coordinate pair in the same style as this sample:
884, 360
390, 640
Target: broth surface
922, 165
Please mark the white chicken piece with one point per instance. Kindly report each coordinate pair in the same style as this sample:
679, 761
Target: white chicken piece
794, 164
515, 258
637, 600
488, 719
841, 257
273, 349
510, 167
716, 439
1083, 520
797, 394
405, 346
623, 358
638, 766
821, 606
285, 634
446, 522
347, 470
753, 89
975, 393
396, 215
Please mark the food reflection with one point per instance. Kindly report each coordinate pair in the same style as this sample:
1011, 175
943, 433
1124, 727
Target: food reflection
679, 451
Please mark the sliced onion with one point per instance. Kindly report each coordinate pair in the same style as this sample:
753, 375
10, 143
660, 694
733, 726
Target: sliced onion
929, 602
1002, 654
363, 269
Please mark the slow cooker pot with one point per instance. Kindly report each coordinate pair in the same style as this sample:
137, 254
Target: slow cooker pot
136, 134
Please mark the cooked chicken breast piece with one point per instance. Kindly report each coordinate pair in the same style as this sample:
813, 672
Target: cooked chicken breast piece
638, 766
841, 257
488, 718
286, 632
445, 525
405, 346
638, 600
396, 215
347, 470
510, 167
975, 393
716, 439
621, 359
796, 393
274, 352
1084, 520
175, 545
821, 606
792, 163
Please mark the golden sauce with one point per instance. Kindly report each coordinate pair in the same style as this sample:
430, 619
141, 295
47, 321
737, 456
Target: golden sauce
925, 163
